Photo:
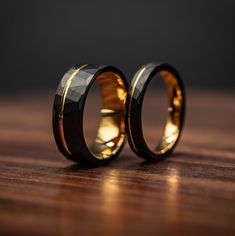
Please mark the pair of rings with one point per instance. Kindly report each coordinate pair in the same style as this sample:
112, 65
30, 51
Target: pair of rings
120, 113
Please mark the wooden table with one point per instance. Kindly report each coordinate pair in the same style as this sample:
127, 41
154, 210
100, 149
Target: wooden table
190, 193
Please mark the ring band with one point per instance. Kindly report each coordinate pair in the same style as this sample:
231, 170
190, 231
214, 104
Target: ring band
68, 112
176, 110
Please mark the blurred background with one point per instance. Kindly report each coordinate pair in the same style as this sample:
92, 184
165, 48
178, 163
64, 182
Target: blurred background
40, 40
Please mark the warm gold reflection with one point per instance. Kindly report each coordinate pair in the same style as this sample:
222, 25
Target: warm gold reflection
172, 193
110, 190
62, 103
172, 128
110, 186
111, 131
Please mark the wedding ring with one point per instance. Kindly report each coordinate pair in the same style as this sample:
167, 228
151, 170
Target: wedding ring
176, 110
68, 112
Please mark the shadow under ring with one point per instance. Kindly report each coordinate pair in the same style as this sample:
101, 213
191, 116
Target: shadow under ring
68, 113
175, 110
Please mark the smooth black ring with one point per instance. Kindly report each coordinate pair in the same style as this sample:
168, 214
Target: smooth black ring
134, 103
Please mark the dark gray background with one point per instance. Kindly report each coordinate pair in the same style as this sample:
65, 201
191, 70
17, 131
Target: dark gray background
40, 40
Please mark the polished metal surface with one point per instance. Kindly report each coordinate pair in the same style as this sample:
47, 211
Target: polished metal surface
176, 110
69, 107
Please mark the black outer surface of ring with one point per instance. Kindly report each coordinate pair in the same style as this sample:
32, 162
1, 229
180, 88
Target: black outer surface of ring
56, 112
73, 116
133, 115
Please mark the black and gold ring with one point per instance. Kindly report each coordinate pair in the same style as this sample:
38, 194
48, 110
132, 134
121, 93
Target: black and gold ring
176, 110
68, 112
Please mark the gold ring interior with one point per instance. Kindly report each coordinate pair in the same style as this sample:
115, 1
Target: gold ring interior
111, 131
174, 112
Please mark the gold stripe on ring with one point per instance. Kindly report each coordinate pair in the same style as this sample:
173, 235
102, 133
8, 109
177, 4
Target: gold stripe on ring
62, 103
132, 93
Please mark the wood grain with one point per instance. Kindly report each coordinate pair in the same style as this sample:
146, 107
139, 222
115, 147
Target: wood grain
190, 193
